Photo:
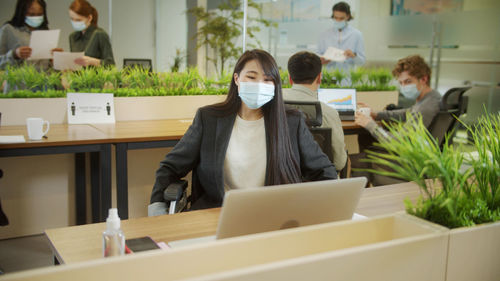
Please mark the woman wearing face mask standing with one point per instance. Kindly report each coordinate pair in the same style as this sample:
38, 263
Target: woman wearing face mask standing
15, 34
88, 37
249, 140
344, 37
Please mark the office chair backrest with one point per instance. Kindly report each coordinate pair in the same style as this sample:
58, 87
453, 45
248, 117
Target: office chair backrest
311, 110
314, 118
452, 105
145, 63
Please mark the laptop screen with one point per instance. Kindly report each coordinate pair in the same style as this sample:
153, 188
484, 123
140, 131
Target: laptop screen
254, 210
340, 99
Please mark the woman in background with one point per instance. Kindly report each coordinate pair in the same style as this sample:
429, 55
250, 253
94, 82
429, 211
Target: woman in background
249, 140
15, 34
88, 37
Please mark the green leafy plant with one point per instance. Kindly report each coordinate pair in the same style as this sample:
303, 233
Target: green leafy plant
179, 57
380, 77
220, 29
465, 196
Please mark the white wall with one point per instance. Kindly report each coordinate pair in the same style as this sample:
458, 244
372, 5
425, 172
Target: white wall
171, 31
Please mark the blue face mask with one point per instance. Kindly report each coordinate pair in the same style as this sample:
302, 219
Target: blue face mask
34, 21
339, 24
78, 25
410, 91
255, 94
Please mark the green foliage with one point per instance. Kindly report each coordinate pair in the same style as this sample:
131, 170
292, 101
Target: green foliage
129, 82
179, 57
467, 196
360, 78
220, 29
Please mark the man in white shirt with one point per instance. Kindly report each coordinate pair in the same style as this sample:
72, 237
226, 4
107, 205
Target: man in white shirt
304, 69
344, 37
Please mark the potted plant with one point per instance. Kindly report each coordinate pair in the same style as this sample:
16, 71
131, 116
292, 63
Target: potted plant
467, 199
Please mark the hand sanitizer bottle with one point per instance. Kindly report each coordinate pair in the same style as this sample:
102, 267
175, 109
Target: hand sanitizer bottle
113, 240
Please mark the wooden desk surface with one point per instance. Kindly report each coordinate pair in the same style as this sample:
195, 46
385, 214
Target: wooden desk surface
80, 243
145, 130
58, 135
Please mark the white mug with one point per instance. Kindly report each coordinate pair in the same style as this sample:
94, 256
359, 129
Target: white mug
366, 111
35, 128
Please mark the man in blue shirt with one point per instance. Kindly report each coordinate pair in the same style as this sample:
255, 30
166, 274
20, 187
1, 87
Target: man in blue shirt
344, 37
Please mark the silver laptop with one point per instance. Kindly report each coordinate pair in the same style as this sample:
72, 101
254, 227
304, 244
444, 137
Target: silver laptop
255, 210
343, 100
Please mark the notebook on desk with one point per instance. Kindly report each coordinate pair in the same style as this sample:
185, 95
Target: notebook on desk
255, 210
343, 100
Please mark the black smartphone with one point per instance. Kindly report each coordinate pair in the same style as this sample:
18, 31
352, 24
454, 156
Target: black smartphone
141, 244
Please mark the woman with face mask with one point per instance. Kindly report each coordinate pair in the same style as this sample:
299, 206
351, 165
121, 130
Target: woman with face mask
344, 37
249, 140
15, 34
88, 37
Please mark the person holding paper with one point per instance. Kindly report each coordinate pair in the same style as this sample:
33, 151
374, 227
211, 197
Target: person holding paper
15, 34
341, 46
88, 37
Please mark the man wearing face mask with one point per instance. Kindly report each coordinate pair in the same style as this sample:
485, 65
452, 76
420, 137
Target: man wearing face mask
15, 34
413, 75
344, 37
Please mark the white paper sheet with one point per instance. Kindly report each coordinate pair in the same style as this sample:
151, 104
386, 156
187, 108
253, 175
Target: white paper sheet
66, 60
12, 139
334, 54
42, 42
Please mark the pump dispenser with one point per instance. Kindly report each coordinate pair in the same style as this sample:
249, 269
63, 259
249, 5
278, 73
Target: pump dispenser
113, 238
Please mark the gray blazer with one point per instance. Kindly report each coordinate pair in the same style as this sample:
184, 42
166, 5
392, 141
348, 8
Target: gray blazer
203, 149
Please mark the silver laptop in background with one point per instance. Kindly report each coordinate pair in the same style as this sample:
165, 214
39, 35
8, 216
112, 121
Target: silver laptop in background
343, 100
254, 210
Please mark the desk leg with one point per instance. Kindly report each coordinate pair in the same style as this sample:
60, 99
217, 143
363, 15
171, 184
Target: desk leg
95, 178
122, 180
105, 161
80, 194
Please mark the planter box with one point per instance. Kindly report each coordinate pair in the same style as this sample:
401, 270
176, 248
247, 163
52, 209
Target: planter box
378, 100
474, 253
15, 111
395, 247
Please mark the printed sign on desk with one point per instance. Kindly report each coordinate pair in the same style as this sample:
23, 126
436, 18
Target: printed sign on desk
89, 108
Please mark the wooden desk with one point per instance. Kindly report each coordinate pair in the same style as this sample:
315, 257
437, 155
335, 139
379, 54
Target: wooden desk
81, 243
77, 139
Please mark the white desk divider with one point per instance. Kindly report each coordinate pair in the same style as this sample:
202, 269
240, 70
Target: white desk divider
394, 247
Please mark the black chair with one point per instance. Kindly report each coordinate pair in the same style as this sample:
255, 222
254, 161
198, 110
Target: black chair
145, 63
452, 105
314, 118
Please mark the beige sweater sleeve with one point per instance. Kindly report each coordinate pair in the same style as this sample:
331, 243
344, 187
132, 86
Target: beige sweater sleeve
331, 119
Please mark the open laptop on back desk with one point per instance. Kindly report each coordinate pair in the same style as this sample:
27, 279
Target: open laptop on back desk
343, 100
255, 210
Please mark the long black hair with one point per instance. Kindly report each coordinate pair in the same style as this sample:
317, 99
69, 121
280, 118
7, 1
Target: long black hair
282, 167
22, 7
